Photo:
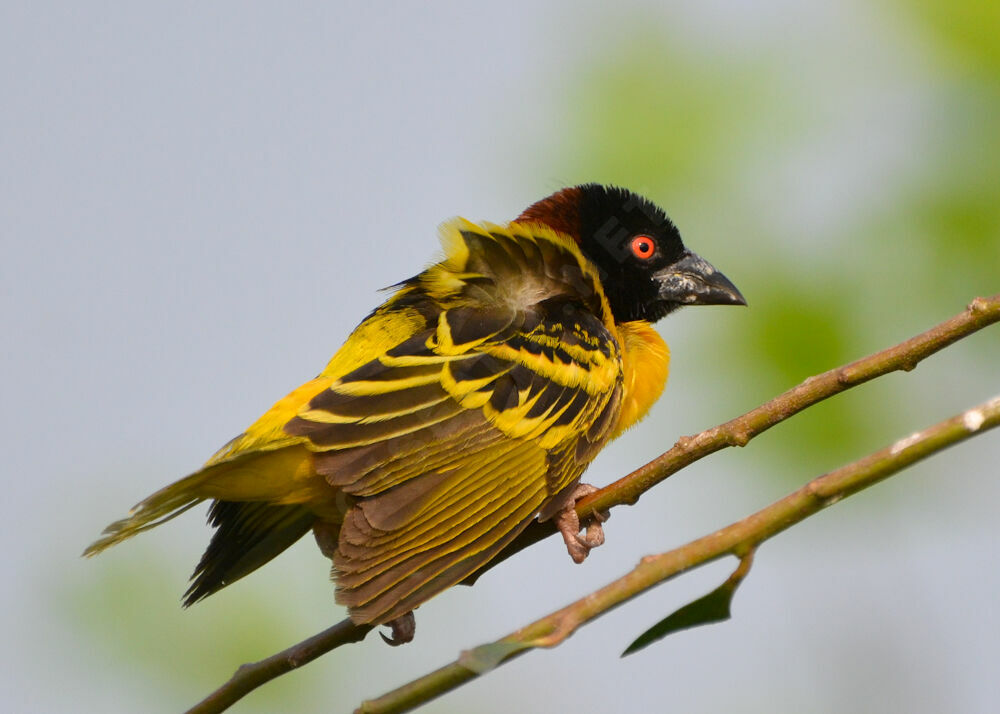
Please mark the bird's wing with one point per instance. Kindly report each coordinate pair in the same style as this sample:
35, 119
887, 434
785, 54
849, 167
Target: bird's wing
454, 440
386, 328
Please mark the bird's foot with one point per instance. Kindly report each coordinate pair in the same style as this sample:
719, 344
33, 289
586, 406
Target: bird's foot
568, 522
403, 628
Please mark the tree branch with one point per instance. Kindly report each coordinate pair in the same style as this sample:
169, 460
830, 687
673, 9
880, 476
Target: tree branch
738, 539
980, 313
252, 675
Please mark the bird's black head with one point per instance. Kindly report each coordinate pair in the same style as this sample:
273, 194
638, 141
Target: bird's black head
645, 269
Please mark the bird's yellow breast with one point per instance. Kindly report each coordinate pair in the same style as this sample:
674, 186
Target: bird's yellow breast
645, 364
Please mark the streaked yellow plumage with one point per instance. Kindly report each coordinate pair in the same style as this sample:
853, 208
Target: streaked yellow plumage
465, 406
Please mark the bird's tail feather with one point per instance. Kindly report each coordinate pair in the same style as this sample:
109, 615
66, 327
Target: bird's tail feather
274, 476
259, 509
247, 536
165, 504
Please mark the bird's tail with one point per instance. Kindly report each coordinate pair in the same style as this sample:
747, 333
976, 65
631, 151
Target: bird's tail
281, 476
262, 503
159, 508
247, 536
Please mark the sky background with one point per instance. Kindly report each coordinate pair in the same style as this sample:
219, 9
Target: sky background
198, 202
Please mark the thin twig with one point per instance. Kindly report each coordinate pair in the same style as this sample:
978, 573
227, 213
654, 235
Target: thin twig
252, 675
737, 432
737, 539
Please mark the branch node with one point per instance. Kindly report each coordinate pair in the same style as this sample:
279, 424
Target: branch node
817, 489
978, 306
740, 437
562, 628
972, 420
683, 442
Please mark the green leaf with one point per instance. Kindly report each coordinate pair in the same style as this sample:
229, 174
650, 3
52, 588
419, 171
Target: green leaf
708, 609
486, 657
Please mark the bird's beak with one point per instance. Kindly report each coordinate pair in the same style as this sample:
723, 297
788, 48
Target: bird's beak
693, 281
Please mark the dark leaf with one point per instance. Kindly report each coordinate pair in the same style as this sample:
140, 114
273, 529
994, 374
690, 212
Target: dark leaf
710, 608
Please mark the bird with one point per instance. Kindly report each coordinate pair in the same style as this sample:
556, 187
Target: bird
464, 407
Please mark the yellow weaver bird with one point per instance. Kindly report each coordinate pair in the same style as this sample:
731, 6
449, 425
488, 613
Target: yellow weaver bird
467, 405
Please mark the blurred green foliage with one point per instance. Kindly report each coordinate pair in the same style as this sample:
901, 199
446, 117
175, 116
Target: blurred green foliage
652, 113
964, 32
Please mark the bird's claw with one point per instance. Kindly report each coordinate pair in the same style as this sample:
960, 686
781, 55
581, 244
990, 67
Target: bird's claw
403, 629
568, 522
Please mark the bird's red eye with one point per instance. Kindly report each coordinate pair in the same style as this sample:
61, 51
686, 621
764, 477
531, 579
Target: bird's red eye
643, 247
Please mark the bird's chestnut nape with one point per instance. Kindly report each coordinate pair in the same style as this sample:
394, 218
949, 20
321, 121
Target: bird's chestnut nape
645, 269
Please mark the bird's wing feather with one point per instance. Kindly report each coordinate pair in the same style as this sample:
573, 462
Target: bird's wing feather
388, 326
470, 380
454, 439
